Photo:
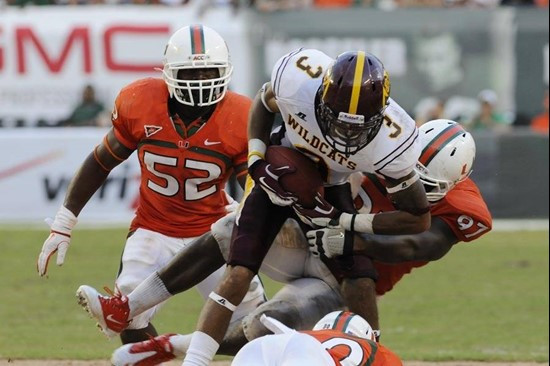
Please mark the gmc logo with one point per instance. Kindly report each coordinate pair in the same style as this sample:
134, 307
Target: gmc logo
78, 40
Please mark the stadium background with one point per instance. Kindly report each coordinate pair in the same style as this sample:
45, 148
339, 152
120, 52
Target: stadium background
48, 54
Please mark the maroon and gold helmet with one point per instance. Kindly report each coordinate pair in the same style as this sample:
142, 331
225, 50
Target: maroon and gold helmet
351, 101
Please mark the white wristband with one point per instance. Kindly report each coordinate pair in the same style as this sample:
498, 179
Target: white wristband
403, 185
222, 301
357, 222
64, 221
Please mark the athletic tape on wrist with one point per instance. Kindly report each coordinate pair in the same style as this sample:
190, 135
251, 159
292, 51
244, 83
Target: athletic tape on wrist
222, 301
64, 221
357, 222
256, 150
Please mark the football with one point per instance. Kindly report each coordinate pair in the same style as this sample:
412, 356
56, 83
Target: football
305, 181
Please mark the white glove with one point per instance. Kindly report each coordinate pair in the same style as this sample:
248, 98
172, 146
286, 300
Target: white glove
59, 239
352, 222
329, 241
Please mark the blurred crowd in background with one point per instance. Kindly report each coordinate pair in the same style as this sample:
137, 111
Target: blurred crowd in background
476, 109
282, 5
477, 114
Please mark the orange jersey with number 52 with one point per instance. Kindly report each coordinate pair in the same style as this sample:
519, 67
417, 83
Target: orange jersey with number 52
183, 172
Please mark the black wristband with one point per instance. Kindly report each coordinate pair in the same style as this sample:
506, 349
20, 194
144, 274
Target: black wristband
348, 242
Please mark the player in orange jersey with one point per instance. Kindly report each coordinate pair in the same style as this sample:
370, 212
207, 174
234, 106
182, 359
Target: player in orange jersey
190, 135
340, 338
458, 210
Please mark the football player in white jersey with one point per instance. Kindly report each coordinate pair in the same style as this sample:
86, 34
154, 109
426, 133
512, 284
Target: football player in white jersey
339, 112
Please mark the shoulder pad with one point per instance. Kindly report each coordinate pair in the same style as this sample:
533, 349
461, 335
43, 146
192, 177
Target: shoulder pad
299, 72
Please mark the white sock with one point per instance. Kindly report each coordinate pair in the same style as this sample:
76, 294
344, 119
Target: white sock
181, 343
149, 293
201, 350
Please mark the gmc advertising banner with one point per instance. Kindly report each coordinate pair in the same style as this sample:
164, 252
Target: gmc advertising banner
48, 54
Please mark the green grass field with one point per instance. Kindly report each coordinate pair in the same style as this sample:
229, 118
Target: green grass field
486, 300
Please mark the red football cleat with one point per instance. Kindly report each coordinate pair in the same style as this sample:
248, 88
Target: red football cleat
147, 353
111, 312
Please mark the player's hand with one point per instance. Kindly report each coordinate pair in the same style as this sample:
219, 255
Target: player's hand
331, 242
322, 215
58, 241
267, 176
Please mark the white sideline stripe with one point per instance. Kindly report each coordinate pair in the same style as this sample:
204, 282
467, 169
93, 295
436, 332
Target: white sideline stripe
498, 225
520, 224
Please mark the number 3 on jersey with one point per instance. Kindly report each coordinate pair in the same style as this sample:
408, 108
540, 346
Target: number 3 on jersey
314, 73
170, 186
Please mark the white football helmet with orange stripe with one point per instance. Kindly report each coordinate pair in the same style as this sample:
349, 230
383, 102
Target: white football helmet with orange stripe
448, 153
347, 322
197, 47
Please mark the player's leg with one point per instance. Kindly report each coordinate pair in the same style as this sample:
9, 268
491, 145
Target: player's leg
144, 253
358, 287
193, 264
258, 223
299, 305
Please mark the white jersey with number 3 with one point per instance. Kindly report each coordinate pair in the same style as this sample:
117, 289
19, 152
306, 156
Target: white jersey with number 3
295, 79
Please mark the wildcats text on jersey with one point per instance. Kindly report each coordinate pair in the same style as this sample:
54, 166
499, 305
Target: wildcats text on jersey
320, 145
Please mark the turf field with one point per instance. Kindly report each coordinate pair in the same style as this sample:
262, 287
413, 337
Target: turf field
486, 300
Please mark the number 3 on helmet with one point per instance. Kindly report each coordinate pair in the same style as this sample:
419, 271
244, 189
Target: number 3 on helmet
448, 153
197, 47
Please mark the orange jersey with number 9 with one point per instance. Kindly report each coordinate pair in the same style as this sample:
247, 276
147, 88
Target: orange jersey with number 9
347, 350
462, 209
183, 172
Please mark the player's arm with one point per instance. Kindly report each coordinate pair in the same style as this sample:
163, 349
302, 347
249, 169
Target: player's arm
413, 210
91, 175
94, 171
412, 215
260, 123
262, 115
429, 245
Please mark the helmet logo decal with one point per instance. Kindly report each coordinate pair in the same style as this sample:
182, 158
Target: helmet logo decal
357, 81
439, 142
357, 119
386, 88
197, 39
